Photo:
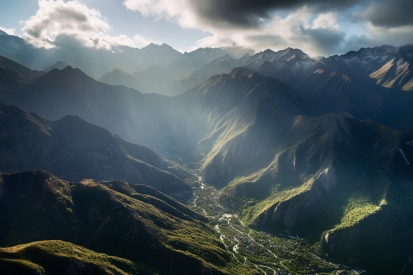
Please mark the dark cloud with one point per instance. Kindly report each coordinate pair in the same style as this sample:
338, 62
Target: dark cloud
326, 41
248, 13
389, 13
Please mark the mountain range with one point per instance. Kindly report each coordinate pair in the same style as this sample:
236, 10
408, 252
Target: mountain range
74, 149
318, 148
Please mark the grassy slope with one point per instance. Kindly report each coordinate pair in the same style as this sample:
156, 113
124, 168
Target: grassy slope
144, 228
58, 257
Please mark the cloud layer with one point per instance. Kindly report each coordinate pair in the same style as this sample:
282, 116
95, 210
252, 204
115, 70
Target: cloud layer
320, 27
72, 23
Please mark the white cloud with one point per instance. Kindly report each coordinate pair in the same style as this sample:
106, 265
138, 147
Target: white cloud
326, 21
314, 36
9, 31
178, 11
72, 23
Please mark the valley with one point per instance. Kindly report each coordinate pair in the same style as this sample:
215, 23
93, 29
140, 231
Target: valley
268, 254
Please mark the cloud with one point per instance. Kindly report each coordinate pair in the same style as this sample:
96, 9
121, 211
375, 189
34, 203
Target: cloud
389, 13
9, 31
72, 23
319, 27
228, 13
317, 36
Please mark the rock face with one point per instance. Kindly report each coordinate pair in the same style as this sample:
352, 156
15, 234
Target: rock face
74, 149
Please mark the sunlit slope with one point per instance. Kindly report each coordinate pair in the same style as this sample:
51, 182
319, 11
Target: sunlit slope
58, 257
397, 72
339, 180
137, 224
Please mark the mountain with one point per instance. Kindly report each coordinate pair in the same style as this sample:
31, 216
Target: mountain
154, 54
58, 257
13, 74
133, 226
97, 62
366, 84
396, 72
227, 112
286, 65
332, 178
60, 65
121, 77
237, 51
3, 32
157, 78
145, 119
216, 66
74, 149
361, 63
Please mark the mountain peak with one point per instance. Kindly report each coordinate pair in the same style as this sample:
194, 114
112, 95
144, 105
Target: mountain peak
153, 46
60, 65
3, 33
68, 74
268, 51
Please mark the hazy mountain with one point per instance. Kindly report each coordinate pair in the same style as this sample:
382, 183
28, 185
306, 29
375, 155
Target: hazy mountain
216, 66
146, 119
153, 55
238, 52
121, 77
74, 149
60, 65
136, 224
97, 62
13, 74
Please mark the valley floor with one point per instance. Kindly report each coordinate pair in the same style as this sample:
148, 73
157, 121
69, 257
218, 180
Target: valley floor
266, 253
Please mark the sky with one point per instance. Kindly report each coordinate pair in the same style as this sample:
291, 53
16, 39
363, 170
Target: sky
318, 27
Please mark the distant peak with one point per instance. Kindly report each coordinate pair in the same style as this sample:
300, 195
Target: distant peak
267, 51
67, 73
3, 33
154, 46
68, 68
60, 65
